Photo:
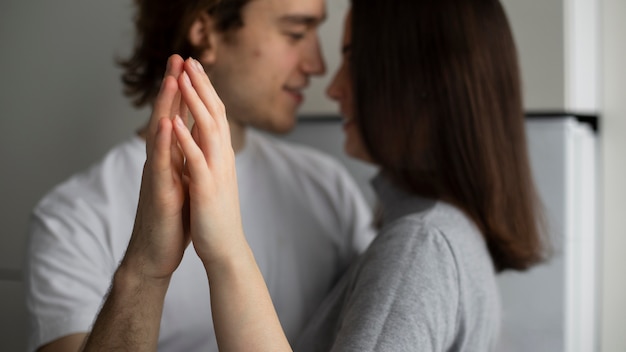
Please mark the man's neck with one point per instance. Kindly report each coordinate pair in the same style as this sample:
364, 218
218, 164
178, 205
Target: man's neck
237, 135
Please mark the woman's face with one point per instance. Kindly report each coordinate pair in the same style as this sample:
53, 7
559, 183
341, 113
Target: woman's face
340, 89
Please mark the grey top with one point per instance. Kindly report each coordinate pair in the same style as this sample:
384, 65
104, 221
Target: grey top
426, 283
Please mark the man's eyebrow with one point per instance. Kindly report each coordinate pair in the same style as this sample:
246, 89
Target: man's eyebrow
306, 20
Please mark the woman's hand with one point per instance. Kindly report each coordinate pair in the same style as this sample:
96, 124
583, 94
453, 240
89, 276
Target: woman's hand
215, 221
243, 314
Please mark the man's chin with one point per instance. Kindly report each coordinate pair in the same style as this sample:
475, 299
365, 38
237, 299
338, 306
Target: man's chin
281, 127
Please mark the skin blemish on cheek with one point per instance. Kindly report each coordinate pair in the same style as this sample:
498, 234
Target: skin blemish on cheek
256, 53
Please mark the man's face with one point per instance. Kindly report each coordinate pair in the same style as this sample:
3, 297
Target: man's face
261, 69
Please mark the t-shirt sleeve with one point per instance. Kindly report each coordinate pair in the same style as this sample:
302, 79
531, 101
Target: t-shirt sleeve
405, 296
68, 270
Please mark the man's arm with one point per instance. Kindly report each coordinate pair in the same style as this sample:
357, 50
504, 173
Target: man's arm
129, 320
130, 316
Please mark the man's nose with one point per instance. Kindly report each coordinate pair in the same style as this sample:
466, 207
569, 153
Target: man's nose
313, 60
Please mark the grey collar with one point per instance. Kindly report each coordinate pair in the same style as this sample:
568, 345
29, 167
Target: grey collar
395, 202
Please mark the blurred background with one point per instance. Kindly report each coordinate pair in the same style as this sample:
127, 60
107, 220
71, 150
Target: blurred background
62, 108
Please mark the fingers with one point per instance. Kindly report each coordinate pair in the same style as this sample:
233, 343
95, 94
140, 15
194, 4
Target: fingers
198, 109
183, 112
205, 89
196, 162
166, 101
205, 106
174, 68
160, 162
178, 159
176, 104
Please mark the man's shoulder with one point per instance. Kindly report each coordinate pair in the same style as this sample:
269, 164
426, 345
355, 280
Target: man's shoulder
118, 170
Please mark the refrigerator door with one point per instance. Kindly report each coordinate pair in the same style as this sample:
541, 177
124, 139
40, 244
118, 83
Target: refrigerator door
553, 307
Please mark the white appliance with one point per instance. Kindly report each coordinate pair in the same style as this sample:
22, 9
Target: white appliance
553, 307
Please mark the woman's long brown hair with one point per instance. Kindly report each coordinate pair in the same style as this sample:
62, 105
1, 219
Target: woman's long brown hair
438, 101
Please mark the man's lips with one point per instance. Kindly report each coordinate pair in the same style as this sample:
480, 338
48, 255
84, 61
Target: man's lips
296, 94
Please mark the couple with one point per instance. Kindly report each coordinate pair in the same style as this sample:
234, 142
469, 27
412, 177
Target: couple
430, 93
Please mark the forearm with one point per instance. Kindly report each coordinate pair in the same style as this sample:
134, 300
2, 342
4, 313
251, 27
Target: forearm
243, 313
130, 317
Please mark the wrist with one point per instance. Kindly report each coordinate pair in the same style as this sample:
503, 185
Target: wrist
130, 316
232, 261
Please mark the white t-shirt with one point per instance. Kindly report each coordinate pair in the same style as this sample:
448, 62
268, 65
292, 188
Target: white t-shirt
302, 214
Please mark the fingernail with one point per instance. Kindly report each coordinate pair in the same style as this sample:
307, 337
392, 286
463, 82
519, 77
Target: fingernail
179, 121
198, 66
186, 77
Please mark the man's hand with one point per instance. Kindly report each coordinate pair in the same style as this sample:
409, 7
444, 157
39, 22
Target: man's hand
159, 238
131, 315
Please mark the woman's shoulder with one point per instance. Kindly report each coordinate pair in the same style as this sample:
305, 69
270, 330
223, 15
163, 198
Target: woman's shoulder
441, 235
440, 223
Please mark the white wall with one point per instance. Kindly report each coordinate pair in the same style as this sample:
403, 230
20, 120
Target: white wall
613, 142
61, 107
538, 30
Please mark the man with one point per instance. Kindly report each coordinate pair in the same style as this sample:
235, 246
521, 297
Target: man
301, 212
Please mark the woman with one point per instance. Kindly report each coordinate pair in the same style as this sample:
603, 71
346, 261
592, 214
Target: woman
430, 92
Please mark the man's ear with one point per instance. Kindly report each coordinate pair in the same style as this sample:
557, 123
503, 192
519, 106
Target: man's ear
204, 37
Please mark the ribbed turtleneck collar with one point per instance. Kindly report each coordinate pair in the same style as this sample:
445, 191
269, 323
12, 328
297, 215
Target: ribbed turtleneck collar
394, 202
